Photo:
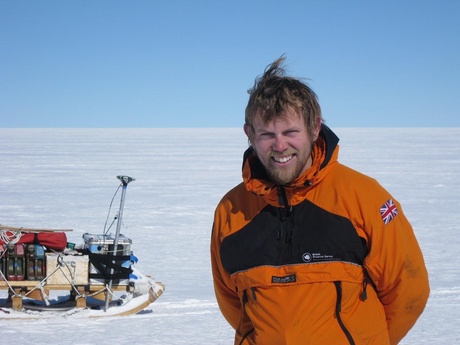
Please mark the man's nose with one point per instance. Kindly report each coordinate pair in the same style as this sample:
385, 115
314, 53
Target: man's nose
280, 144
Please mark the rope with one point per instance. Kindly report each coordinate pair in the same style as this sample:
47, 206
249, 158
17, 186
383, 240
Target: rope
8, 236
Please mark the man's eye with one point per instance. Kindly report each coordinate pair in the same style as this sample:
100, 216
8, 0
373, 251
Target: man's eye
266, 135
291, 133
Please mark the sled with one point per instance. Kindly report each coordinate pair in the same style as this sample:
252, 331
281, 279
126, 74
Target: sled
45, 276
83, 306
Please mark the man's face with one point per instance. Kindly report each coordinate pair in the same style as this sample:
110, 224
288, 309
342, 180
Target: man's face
283, 145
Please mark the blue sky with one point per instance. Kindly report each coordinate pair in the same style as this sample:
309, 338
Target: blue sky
190, 63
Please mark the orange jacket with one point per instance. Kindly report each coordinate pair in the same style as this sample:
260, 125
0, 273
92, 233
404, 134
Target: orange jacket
329, 259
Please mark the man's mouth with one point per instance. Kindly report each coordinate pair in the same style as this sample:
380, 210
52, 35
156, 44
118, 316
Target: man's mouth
282, 159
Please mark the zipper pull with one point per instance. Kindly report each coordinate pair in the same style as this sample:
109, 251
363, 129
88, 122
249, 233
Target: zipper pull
244, 299
254, 297
289, 236
364, 292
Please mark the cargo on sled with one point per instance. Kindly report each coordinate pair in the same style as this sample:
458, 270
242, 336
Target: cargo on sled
45, 275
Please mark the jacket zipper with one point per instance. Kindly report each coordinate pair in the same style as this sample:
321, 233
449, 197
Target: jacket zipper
364, 292
338, 309
244, 300
285, 228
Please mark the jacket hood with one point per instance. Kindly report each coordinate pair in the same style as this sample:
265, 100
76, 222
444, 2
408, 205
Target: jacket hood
256, 179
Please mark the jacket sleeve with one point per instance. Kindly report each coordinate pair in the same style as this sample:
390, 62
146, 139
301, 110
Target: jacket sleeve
396, 266
227, 297
225, 290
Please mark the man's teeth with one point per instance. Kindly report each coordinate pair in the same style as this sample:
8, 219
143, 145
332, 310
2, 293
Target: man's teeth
282, 159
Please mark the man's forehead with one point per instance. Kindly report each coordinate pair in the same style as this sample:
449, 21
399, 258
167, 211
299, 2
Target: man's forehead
289, 114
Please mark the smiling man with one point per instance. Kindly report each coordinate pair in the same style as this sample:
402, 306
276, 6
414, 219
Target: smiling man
283, 145
306, 250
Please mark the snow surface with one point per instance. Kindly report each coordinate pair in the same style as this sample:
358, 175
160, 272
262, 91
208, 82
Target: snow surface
65, 178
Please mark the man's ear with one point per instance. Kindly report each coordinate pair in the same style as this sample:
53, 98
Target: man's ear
249, 132
317, 129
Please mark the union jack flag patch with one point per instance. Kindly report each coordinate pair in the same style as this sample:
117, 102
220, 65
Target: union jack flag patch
388, 211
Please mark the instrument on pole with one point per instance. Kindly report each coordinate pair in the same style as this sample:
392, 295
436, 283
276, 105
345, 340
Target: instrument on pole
124, 180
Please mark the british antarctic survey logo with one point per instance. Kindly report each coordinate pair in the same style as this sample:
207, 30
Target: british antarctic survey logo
317, 257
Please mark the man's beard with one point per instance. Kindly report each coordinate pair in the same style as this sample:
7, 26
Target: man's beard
284, 176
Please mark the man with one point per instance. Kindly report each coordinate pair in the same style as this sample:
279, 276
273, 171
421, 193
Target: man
306, 250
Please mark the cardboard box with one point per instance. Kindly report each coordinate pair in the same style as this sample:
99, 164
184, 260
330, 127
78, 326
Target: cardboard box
72, 269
